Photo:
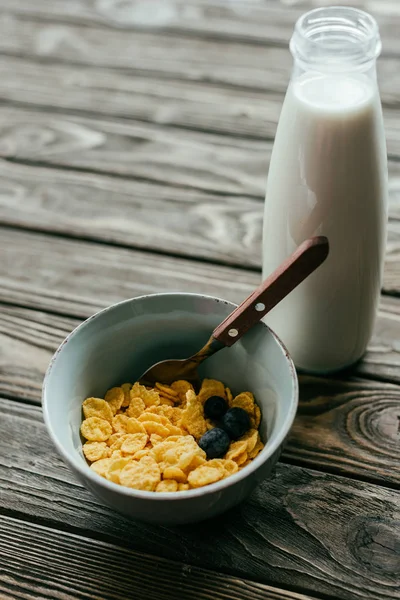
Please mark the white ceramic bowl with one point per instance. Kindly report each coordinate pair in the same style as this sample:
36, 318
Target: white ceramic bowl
119, 343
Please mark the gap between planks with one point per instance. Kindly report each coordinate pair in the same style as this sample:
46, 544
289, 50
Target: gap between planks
34, 561
299, 529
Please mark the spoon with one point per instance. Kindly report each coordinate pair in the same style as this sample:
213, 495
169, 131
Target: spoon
308, 257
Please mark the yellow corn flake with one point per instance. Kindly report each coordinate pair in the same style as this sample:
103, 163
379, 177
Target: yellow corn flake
126, 388
140, 453
147, 438
204, 475
235, 449
95, 429
227, 467
142, 475
241, 458
179, 453
166, 401
229, 396
101, 466
150, 416
175, 473
154, 427
251, 437
182, 387
257, 449
134, 442
115, 468
211, 387
118, 441
193, 416
96, 451
167, 485
119, 423
167, 392
230, 467
156, 439
115, 397
113, 438
149, 397
257, 416
116, 454
96, 407
134, 426
136, 407
245, 400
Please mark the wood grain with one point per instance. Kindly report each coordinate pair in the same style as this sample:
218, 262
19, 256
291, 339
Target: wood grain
144, 215
307, 531
230, 62
170, 155
343, 425
348, 427
269, 21
97, 569
198, 105
34, 273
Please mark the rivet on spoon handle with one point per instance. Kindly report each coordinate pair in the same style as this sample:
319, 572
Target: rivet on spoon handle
308, 257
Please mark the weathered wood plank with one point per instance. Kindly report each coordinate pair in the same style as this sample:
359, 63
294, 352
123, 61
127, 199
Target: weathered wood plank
308, 531
144, 215
269, 21
97, 569
200, 106
244, 65
132, 213
348, 427
167, 155
335, 417
35, 274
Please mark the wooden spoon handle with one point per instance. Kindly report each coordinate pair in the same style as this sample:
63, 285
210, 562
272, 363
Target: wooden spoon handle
308, 257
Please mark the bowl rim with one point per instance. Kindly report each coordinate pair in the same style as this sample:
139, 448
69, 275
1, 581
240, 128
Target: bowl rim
87, 473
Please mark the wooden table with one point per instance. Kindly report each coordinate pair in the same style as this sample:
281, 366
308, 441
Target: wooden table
134, 141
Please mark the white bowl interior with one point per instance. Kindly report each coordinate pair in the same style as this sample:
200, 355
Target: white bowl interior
119, 343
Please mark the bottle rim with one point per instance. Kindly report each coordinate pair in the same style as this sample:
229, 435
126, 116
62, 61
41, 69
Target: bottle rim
335, 37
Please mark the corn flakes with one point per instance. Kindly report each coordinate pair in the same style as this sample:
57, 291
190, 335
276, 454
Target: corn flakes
101, 466
147, 438
175, 473
167, 485
95, 429
211, 387
115, 397
96, 407
96, 450
182, 387
204, 475
141, 475
193, 416
133, 442
136, 407
115, 467
126, 388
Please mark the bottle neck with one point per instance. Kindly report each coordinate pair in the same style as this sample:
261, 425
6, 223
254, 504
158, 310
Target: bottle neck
336, 40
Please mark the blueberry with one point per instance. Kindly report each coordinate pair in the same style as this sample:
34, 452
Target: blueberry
215, 407
235, 422
214, 442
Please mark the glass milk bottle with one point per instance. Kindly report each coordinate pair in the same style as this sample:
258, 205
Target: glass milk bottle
328, 176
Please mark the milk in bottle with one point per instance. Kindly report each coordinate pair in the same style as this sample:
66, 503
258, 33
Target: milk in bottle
328, 176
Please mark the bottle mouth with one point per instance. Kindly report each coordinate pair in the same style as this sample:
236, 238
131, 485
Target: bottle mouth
335, 37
